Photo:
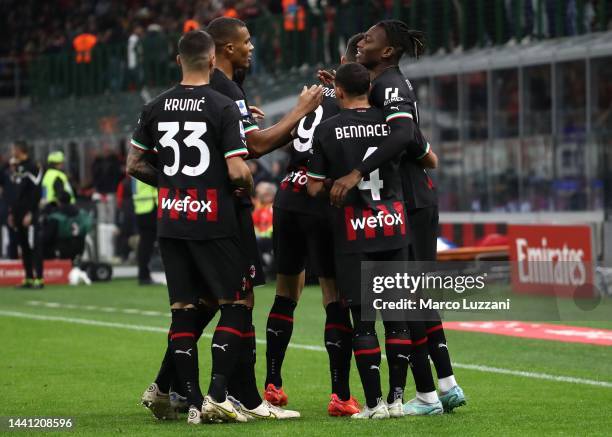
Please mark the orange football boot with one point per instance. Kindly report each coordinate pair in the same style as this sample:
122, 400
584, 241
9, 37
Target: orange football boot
339, 408
276, 396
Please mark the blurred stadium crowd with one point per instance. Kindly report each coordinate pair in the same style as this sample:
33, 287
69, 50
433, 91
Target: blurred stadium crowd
135, 39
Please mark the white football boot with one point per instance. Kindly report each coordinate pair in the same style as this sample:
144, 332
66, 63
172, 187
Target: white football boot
380, 411
158, 403
396, 408
266, 410
225, 411
194, 417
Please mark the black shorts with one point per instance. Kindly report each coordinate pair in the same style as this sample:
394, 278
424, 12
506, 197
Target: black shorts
299, 237
348, 268
423, 225
203, 268
254, 273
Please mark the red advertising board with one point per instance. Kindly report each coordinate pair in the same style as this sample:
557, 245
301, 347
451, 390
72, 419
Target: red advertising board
56, 272
551, 260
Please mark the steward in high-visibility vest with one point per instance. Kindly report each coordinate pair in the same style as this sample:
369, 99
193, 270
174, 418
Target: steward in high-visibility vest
144, 197
55, 181
145, 208
294, 16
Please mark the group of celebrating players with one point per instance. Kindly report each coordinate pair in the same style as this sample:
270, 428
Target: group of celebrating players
356, 153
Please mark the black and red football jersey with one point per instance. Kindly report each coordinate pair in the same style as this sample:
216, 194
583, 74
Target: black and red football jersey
394, 94
193, 129
292, 195
229, 88
373, 217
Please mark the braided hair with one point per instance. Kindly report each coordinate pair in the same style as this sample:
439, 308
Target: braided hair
403, 39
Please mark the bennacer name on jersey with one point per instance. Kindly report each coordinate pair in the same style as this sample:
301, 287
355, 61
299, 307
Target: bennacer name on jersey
362, 131
190, 204
174, 104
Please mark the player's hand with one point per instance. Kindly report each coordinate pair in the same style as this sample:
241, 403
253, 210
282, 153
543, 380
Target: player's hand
326, 77
241, 192
309, 99
342, 186
328, 184
27, 220
257, 113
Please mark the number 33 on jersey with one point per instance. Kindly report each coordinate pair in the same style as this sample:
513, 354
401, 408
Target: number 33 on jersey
193, 129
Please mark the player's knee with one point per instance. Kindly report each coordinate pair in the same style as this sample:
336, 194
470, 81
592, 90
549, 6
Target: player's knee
233, 302
290, 287
363, 328
328, 288
184, 322
181, 305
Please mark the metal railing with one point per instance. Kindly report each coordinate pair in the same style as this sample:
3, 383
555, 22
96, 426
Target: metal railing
449, 25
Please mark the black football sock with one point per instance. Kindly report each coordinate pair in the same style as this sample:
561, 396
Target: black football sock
205, 315
184, 350
243, 384
166, 375
419, 359
278, 335
398, 348
338, 342
367, 357
226, 348
250, 396
438, 351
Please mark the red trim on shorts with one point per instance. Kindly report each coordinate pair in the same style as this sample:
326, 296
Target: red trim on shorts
248, 334
339, 327
280, 317
375, 350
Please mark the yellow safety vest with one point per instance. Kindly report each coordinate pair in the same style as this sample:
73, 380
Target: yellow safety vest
49, 194
144, 197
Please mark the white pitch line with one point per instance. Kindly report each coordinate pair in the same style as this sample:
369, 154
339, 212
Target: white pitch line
58, 305
476, 367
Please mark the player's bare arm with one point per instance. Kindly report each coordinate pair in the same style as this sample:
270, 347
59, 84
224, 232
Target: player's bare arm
239, 173
257, 112
260, 142
326, 77
316, 188
430, 160
139, 166
391, 148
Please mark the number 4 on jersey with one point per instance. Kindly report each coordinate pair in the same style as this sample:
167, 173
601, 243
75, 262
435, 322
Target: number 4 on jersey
375, 183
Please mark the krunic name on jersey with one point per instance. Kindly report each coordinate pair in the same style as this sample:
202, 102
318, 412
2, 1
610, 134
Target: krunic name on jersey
362, 131
184, 104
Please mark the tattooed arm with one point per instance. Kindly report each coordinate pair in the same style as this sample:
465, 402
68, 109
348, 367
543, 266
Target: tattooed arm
139, 166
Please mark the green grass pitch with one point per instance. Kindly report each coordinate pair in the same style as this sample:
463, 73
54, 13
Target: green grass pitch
90, 352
